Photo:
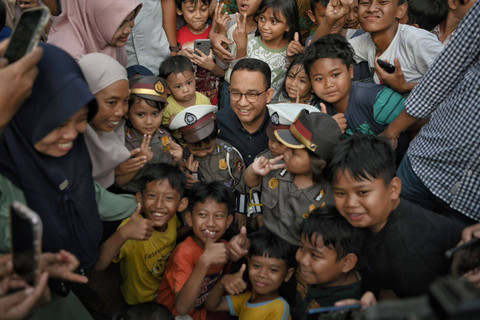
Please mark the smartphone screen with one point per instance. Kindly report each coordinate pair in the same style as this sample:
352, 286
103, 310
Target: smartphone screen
25, 236
26, 34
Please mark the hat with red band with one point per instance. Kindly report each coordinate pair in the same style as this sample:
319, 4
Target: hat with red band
318, 132
195, 122
149, 87
282, 116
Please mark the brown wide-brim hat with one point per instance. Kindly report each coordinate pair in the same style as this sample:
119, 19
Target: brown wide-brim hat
149, 87
317, 132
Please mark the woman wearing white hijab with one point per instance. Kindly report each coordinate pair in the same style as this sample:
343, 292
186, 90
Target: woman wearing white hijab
105, 135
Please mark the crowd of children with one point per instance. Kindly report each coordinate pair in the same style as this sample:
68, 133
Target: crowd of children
261, 155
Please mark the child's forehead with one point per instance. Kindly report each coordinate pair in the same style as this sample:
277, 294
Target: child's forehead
266, 259
316, 242
179, 76
160, 185
210, 203
327, 63
194, 3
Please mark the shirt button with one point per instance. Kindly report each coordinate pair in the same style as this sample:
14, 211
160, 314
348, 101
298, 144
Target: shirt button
250, 138
249, 156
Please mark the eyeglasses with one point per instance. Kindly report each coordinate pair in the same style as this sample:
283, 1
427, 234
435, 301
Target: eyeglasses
251, 96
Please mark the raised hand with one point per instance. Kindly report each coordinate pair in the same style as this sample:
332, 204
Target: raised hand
395, 80
263, 166
233, 283
221, 18
62, 265
215, 252
133, 164
341, 121
239, 245
175, 151
145, 149
336, 9
204, 61
294, 47
240, 33
192, 164
137, 228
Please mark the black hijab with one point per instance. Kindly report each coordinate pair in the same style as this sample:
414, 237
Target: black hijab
59, 189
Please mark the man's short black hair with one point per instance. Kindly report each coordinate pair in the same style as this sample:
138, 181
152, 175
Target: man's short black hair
175, 64
252, 64
215, 190
313, 4
427, 14
364, 157
161, 171
268, 244
330, 46
337, 234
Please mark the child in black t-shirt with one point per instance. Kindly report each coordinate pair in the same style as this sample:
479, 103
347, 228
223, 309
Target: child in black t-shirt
405, 249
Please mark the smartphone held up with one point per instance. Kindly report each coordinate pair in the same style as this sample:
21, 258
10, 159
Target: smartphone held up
26, 237
26, 33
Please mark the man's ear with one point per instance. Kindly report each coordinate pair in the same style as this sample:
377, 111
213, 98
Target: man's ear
350, 71
402, 10
289, 274
270, 93
395, 188
349, 262
183, 204
188, 218
453, 4
311, 15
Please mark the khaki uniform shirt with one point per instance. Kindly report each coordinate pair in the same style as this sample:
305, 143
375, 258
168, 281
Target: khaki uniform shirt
225, 165
160, 147
285, 206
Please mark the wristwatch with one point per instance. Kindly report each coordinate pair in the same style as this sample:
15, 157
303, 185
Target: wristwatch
175, 48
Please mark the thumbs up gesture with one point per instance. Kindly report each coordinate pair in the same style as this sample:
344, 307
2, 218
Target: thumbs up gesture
239, 245
214, 252
294, 47
137, 228
233, 283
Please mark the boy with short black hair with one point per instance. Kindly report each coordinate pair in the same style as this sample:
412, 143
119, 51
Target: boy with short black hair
327, 257
270, 264
208, 158
142, 245
406, 244
368, 108
198, 262
410, 49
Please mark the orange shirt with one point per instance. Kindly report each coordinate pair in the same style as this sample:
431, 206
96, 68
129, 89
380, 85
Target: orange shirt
179, 267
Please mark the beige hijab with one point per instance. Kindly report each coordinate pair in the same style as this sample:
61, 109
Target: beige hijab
107, 149
87, 26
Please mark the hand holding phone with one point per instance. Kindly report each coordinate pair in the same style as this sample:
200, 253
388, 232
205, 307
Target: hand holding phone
203, 45
26, 33
26, 236
388, 67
